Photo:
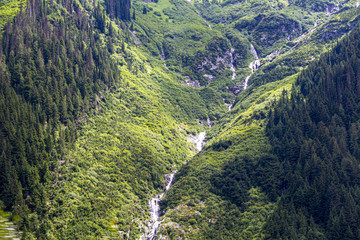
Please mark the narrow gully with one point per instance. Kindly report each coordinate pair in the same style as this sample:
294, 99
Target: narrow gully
154, 203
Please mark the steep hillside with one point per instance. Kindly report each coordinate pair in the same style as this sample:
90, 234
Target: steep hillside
276, 170
99, 100
315, 136
83, 121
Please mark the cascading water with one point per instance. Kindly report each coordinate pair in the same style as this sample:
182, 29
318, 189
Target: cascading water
232, 67
253, 50
199, 142
227, 104
254, 65
155, 211
162, 56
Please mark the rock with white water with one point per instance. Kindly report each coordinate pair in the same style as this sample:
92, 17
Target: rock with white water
209, 123
272, 55
190, 83
208, 78
224, 59
232, 66
163, 57
332, 9
246, 81
254, 65
253, 50
228, 105
155, 210
198, 140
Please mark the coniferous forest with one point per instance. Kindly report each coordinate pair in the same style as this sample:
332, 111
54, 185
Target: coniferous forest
173, 119
315, 135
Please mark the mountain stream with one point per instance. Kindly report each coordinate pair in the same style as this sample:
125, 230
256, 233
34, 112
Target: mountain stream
155, 211
254, 65
154, 203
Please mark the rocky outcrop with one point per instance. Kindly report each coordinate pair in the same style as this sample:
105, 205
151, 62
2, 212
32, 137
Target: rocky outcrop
188, 82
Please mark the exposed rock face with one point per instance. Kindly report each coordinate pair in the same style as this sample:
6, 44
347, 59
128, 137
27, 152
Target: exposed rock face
223, 59
219, 56
198, 141
188, 82
208, 78
332, 9
267, 29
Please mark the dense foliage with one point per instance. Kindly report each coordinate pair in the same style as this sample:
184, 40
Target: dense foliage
95, 109
315, 134
118, 9
52, 71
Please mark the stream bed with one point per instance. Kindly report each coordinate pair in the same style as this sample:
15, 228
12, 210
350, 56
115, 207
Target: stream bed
154, 223
155, 210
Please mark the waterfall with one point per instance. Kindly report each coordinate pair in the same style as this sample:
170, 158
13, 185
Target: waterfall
155, 210
228, 105
198, 141
254, 65
162, 56
232, 67
209, 123
253, 50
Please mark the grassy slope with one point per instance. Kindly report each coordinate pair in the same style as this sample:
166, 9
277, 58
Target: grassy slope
194, 211
191, 203
122, 154
268, 24
137, 134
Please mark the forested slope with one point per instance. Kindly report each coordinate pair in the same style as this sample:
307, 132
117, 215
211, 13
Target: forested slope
98, 100
283, 169
315, 134
79, 101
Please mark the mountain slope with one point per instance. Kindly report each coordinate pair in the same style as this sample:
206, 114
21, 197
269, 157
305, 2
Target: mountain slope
98, 102
283, 170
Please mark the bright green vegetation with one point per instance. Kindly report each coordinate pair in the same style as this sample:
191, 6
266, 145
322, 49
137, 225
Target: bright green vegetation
211, 195
297, 32
84, 112
94, 110
299, 52
8, 9
7, 228
121, 156
221, 179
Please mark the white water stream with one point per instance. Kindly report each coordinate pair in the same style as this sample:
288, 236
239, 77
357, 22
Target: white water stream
254, 65
155, 211
154, 203
232, 67
163, 58
227, 104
